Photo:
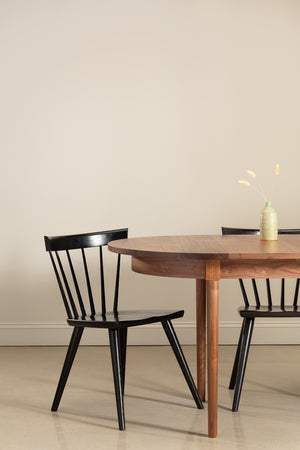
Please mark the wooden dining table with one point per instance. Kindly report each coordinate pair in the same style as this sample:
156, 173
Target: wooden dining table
208, 259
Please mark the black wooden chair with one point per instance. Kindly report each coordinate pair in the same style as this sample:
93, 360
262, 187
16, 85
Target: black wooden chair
249, 313
75, 282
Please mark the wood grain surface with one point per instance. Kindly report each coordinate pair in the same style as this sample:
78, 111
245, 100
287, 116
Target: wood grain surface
216, 247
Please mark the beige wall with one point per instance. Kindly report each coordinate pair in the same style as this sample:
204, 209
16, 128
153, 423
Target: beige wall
141, 114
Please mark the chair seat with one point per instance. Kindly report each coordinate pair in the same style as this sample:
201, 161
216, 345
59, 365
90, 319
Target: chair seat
266, 311
125, 318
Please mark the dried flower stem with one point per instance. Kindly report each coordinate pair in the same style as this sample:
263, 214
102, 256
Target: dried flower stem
262, 192
259, 188
276, 171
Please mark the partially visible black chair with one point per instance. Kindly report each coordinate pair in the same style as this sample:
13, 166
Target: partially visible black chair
82, 305
249, 313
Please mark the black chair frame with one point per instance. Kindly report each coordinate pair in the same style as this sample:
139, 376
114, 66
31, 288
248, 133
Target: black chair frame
250, 313
82, 310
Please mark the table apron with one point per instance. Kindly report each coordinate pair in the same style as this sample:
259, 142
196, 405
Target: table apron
177, 267
260, 269
181, 267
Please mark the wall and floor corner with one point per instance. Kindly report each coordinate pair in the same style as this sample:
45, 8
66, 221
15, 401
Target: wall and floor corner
141, 114
27, 334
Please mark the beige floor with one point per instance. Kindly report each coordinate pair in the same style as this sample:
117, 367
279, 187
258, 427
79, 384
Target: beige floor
160, 413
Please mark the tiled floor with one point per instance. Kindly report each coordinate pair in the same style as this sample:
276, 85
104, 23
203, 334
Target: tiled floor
160, 413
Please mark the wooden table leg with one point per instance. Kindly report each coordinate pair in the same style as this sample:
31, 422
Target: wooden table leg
212, 355
201, 336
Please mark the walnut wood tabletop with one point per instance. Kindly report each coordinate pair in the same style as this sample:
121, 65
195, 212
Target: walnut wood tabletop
209, 259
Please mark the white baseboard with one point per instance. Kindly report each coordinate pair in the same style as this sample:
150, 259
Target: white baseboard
265, 332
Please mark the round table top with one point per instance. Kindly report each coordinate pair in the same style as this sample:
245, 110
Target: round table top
209, 247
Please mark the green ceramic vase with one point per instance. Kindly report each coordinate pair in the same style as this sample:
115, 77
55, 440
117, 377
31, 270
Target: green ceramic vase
268, 223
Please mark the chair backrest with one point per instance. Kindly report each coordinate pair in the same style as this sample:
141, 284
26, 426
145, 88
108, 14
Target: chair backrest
70, 262
228, 230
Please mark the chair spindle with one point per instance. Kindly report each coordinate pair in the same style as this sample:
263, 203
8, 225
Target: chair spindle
282, 294
269, 293
257, 301
64, 297
81, 305
64, 277
115, 308
295, 303
242, 286
88, 284
103, 302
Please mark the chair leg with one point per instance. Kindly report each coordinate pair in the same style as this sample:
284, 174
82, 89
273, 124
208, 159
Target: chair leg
236, 359
115, 359
72, 349
171, 335
122, 335
245, 345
